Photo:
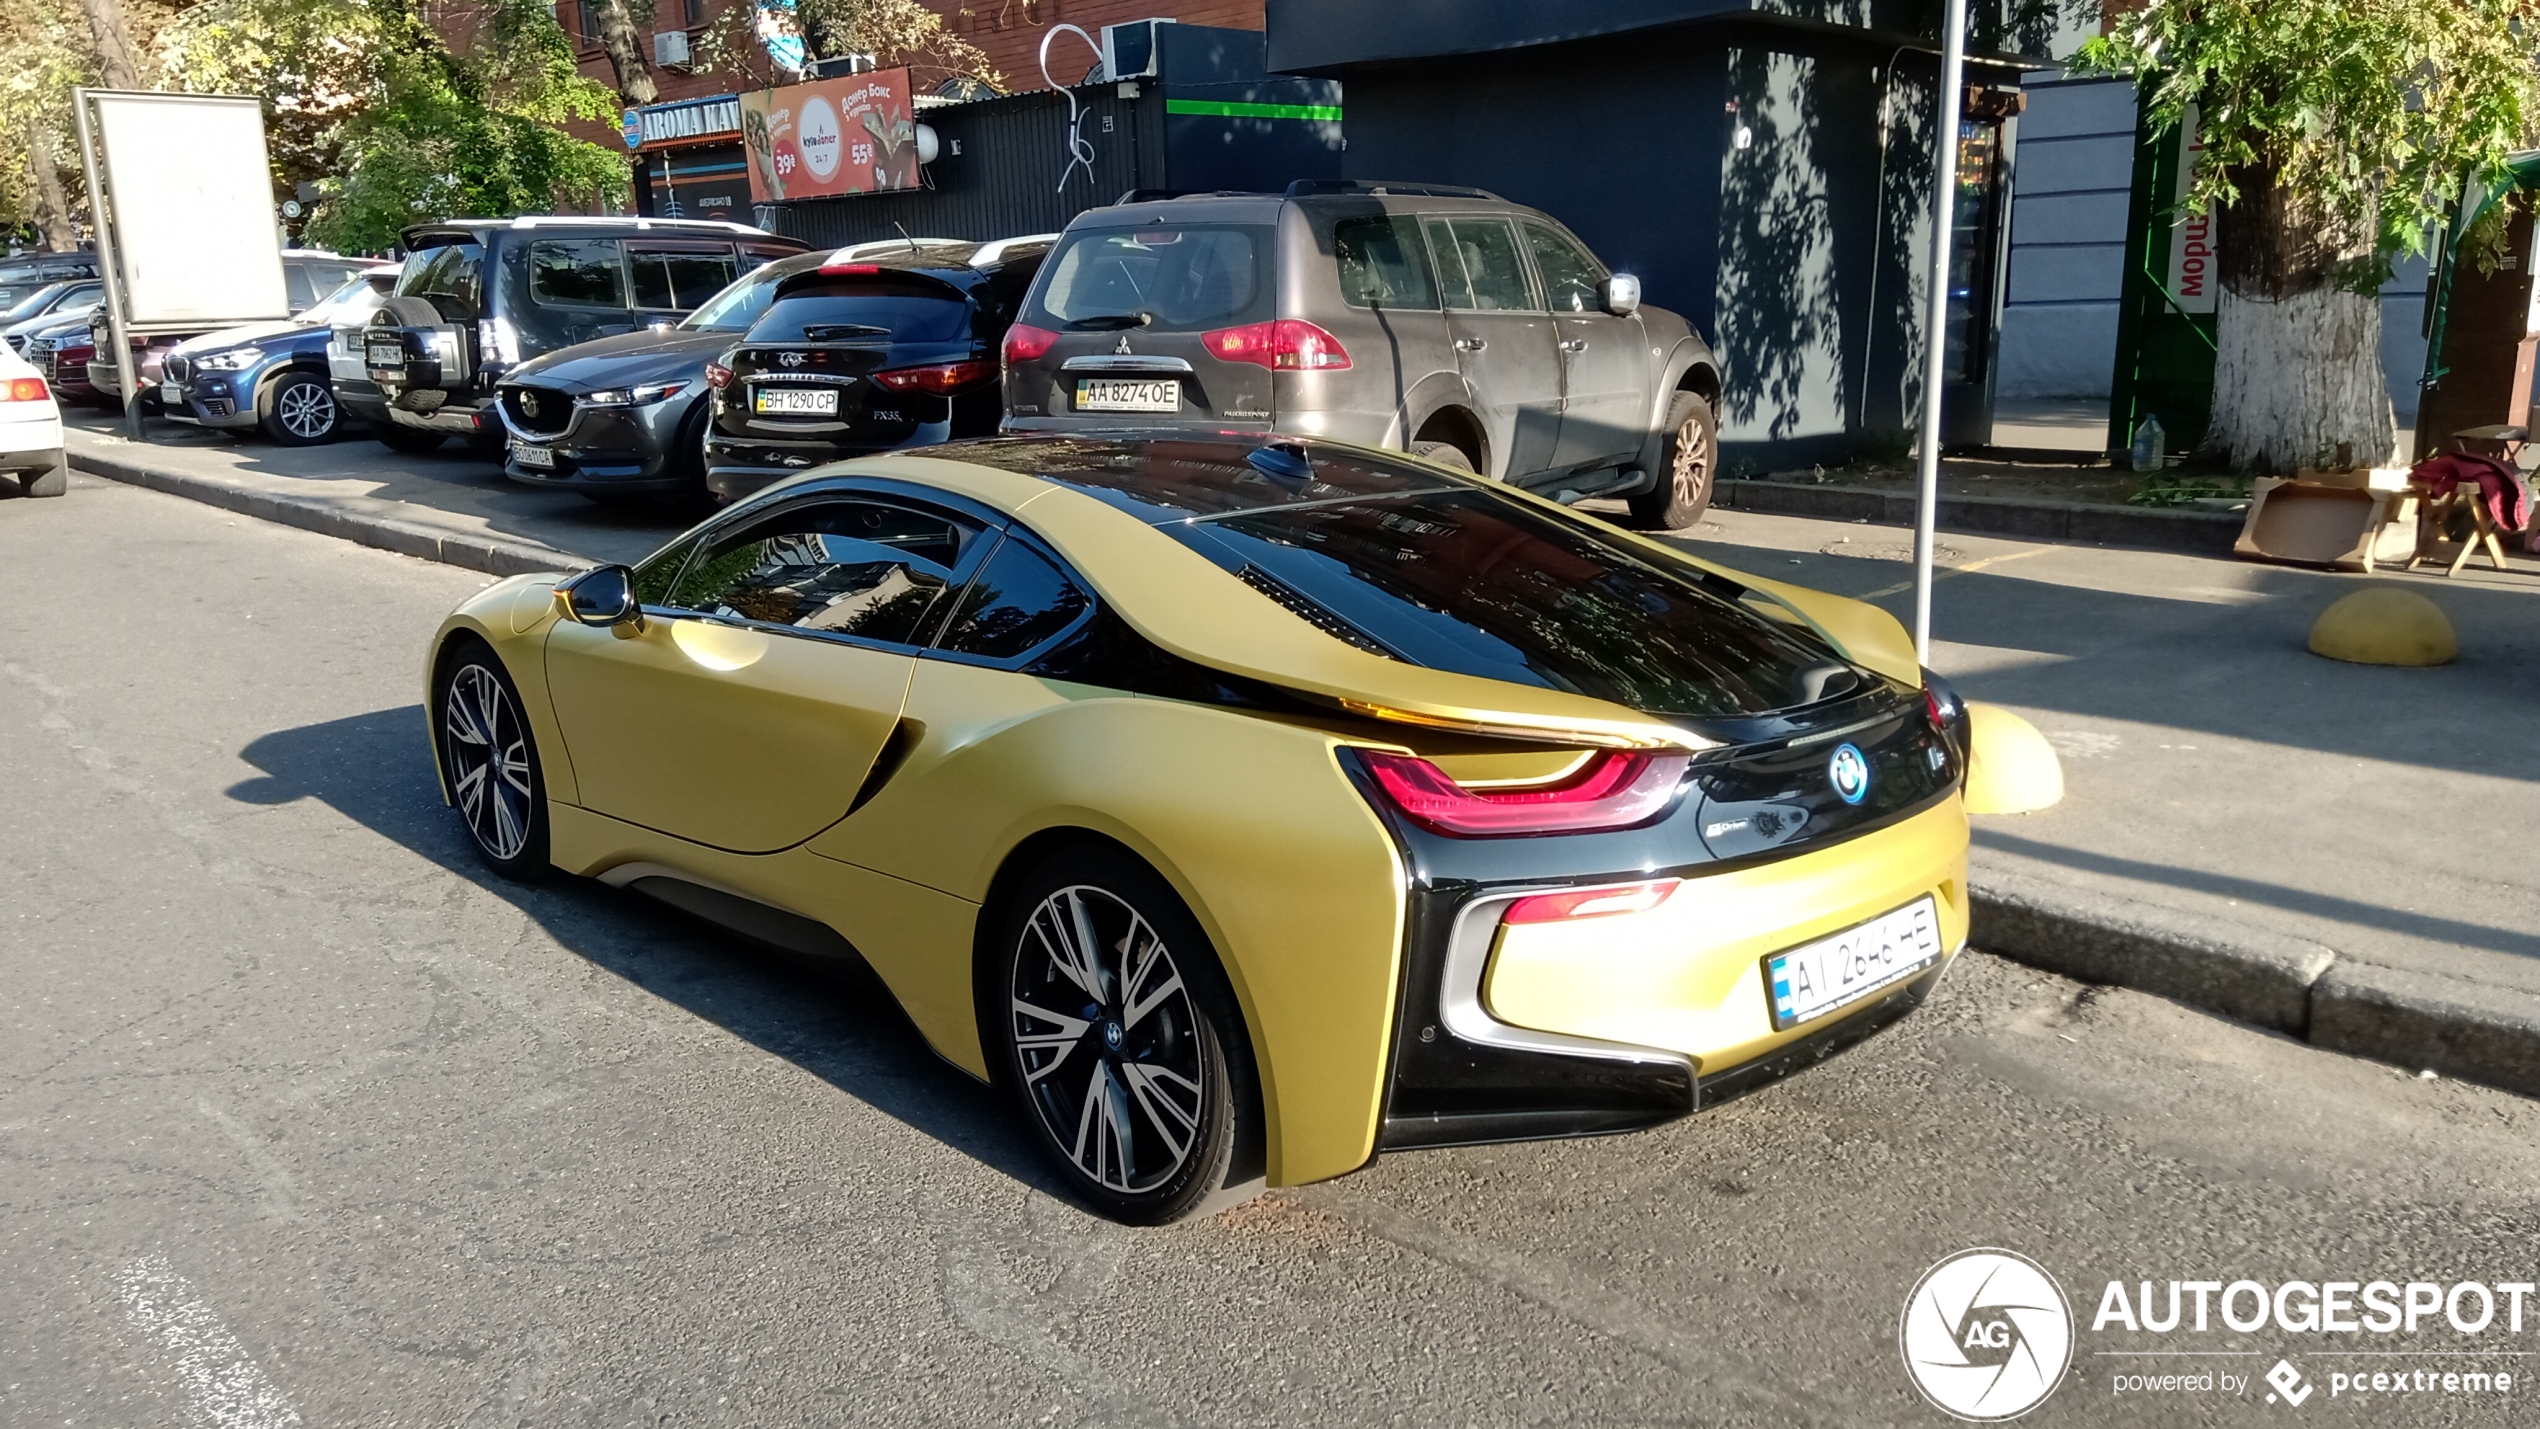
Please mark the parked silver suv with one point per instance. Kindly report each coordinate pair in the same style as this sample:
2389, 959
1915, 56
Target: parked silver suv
1446, 322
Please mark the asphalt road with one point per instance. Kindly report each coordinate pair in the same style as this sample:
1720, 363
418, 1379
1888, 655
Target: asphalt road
306, 1120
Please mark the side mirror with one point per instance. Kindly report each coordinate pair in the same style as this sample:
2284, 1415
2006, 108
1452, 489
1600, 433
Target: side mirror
1621, 295
603, 597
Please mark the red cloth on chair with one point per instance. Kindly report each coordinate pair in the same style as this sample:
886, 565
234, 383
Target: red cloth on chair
2499, 485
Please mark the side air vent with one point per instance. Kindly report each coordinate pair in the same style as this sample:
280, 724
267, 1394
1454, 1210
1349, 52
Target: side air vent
1311, 613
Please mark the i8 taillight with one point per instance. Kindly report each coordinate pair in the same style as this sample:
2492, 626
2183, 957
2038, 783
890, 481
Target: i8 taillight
1615, 790
718, 376
1024, 342
941, 378
1288, 344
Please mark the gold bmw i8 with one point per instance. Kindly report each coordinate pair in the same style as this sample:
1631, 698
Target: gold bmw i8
1243, 811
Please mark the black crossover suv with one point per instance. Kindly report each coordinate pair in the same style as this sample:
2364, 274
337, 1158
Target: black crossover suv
891, 350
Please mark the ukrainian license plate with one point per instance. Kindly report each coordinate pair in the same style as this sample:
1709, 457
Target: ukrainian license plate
1814, 979
387, 354
1098, 396
795, 401
171, 394
533, 457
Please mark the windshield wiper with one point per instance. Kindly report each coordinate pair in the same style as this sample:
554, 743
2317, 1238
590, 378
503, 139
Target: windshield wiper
1110, 322
838, 332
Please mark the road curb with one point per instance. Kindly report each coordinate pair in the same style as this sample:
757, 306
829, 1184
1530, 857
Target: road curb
2480, 1032
493, 556
2212, 532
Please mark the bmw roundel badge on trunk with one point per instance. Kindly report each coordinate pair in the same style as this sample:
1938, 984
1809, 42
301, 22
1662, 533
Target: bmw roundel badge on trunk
1849, 772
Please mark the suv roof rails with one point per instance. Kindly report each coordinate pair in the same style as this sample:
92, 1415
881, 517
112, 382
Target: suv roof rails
578, 220
1163, 195
1313, 188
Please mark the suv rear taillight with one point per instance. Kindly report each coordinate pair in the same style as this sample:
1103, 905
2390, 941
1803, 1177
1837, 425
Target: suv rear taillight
1024, 342
1616, 790
23, 389
941, 378
718, 376
1289, 344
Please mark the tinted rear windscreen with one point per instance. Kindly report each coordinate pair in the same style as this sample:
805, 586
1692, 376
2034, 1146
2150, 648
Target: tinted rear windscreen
938, 316
1470, 582
1181, 279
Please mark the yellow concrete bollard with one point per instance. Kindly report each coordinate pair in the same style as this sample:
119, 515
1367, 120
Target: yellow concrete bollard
2011, 769
2384, 625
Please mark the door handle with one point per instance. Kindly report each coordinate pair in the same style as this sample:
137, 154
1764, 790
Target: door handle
1576, 344
1470, 344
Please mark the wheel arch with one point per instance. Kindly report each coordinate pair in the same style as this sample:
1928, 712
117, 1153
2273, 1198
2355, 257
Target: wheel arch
1458, 425
509, 619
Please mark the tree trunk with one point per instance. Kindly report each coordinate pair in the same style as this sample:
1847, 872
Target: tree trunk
52, 201
2297, 371
114, 47
625, 48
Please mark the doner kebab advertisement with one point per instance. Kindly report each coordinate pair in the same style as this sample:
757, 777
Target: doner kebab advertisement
853, 135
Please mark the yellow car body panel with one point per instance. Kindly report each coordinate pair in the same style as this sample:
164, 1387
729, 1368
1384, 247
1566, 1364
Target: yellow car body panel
1687, 975
1005, 756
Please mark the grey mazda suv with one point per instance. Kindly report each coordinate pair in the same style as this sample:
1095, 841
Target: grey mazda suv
1447, 322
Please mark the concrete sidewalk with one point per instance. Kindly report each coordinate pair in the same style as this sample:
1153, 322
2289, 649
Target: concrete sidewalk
2334, 851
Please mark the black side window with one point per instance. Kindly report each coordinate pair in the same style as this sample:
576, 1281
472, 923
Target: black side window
1570, 276
1016, 603
1383, 263
677, 281
861, 568
577, 273
653, 577
1478, 264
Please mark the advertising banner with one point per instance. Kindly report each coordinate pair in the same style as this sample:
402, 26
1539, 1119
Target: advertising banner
2193, 276
856, 134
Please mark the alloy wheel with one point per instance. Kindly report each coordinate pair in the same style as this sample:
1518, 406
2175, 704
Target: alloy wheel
1109, 1039
306, 410
1691, 468
487, 748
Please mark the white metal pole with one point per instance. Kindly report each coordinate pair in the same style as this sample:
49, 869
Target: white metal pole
101, 204
1953, 67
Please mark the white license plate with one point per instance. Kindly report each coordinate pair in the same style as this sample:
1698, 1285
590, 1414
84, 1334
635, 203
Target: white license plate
1099, 396
538, 457
1816, 978
795, 401
387, 354
170, 393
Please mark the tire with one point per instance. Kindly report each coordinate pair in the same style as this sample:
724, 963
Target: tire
1143, 1100
1688, 467
54, 480
299, 410
489, 762
1444, 454
406, 439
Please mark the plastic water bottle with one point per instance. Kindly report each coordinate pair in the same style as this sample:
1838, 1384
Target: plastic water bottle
2148, 438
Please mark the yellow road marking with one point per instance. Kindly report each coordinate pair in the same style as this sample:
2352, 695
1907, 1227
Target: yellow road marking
1945, 572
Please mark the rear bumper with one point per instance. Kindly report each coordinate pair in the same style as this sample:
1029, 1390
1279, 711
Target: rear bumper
739, 466
20, 458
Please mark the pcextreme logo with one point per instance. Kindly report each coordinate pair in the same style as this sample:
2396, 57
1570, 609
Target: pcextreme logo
1986, 1335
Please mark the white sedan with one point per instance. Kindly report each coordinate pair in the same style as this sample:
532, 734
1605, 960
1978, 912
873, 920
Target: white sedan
30, 430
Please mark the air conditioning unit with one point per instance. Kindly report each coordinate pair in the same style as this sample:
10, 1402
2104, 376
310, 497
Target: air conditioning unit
1129, 51
670, 49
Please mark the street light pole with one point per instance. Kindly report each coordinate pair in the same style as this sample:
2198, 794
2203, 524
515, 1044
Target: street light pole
1944, 204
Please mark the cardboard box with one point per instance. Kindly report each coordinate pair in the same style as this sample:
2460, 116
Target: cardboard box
2340, 526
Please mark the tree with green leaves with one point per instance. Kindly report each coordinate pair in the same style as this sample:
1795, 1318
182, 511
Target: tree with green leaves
393, 124
894, 32
2336, 134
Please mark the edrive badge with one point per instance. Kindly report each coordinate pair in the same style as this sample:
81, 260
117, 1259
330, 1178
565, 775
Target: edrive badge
1987, 1335
1849, 772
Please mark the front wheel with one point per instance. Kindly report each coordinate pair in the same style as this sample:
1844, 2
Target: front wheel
489, 762
300, 410
1689, 459
1120, 1040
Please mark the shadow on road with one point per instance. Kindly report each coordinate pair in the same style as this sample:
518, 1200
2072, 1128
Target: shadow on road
840, 1025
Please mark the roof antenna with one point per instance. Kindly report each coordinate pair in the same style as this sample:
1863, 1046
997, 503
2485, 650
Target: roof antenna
911, 242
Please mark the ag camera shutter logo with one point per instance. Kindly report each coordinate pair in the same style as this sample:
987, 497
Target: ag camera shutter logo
1986, 1335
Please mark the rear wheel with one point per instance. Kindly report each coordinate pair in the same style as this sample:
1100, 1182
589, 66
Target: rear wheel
1444, 454
490, 761
405, 439
1120, 1040
299, 410
1689, 459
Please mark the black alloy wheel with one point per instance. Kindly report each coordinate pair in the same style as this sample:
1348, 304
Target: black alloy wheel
299, 410
1689, 462
1120, 1041
489, 761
